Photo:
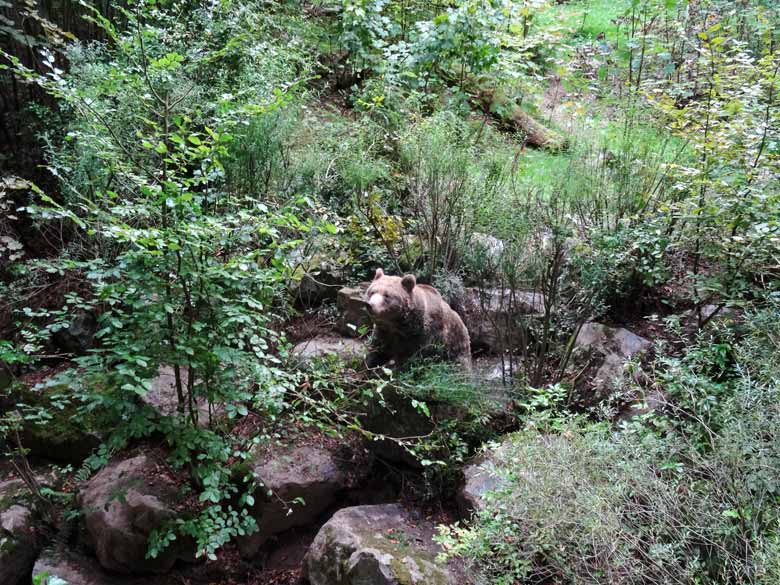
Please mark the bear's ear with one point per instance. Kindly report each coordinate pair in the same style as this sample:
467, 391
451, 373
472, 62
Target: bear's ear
379, 274
408, 282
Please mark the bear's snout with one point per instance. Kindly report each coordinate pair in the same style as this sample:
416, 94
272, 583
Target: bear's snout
374, 303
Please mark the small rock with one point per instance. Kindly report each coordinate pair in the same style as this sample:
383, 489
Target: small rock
352, 306
78, 337
18, 543
79, 570
374, 545
323, 346
311, 473
122, 505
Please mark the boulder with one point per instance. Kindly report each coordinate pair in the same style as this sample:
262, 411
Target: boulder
324, 346
76, 569
374, 545
6, 376
295, 487
163, 399
18, 537
318, 286
352, 305
487, 247
66, 437
710, 314
73, 445
316, 276
606, 350
395, 416
122, 505
493, 316
479, 478
78, 336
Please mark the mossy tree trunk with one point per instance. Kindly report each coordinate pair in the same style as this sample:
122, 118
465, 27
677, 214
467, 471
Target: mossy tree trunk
511, 116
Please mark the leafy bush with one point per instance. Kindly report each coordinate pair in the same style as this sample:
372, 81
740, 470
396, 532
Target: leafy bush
689, 494
178, 258
585, 506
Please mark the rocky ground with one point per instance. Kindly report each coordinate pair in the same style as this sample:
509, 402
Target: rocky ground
333, 514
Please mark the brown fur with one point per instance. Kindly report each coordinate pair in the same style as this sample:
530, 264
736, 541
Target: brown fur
412, 320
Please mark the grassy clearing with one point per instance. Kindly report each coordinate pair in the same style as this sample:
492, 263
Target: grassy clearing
538, 168
587, 19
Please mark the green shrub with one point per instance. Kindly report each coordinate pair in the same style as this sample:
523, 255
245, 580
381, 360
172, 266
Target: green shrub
585, 506
689, 494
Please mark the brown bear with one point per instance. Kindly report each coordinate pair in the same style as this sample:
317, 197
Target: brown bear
412, 320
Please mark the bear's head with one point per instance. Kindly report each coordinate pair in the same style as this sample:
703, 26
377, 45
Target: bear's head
389, 298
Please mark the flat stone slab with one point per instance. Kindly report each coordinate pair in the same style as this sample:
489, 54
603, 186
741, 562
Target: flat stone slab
324, 346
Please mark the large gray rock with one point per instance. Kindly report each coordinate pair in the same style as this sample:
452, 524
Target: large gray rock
607, 350
18, 539
374, 545
479, 478
80, 570
163, 398
487, 248
353, 314
294, 487
122, 505
493, 316
316, 276
325, 346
